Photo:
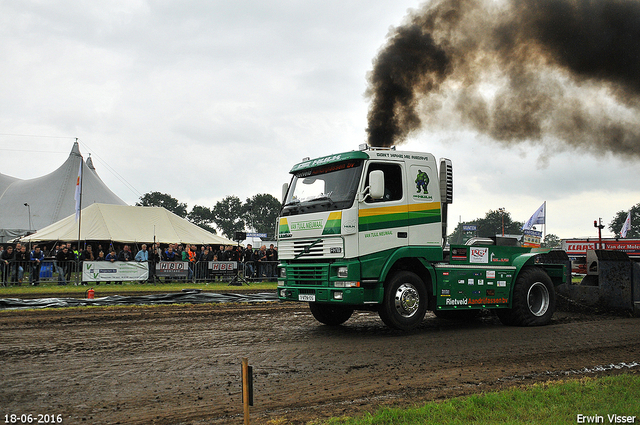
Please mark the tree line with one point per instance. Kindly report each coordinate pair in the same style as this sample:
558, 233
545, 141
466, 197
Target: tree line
493, 224
260, 213
230, 215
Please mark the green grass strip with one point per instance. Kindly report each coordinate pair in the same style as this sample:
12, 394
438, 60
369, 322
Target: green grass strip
548, 403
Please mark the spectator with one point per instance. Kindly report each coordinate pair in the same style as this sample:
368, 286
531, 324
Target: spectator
203, 264
189, 254
69, 262
248, 261
262, 261
155, 255
8, 258
61, 263
101, 256
112, 256
169, 255
22, 263
36, 257
87, 254
142, 255
220, 253
125, 254
272, 258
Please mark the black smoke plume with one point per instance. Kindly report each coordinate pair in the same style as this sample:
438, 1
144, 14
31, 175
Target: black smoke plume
514, 70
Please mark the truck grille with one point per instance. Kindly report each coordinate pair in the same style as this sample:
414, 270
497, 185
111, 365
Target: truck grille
308, 274
289, 249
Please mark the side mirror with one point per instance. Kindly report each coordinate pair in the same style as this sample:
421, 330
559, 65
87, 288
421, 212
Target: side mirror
285, 189
376, 184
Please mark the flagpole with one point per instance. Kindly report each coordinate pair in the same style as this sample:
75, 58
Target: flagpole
544, 231
78, 276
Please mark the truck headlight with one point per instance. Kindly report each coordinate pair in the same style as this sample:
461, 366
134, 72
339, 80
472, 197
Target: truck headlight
343, 271
283, 272
346, 284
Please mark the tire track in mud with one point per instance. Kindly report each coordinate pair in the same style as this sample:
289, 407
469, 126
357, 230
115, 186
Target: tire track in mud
181, 364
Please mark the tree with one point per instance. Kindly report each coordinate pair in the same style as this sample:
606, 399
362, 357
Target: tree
202, 217
157, 199
551, 241
261, 213
492, 222
228, 216
487, 227
618, 221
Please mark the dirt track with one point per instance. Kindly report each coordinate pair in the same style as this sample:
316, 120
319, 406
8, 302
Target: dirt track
181, 364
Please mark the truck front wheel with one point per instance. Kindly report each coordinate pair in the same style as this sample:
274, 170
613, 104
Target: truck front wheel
405, 301
534, 300
332, 315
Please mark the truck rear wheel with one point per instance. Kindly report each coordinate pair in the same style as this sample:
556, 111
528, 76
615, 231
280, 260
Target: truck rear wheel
332, 315
405, 301
534, 300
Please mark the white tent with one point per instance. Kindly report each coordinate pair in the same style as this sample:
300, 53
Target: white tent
29, 205
127, 224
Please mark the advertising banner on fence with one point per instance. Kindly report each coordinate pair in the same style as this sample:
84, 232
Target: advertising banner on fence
222, 268
172, 269
114, 272
579, 247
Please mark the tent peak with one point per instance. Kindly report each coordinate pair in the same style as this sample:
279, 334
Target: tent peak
75, 150
90, 163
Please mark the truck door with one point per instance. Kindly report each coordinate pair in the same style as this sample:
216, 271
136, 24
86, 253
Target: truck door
383, 223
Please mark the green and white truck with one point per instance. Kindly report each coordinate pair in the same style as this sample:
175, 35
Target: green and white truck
366, 230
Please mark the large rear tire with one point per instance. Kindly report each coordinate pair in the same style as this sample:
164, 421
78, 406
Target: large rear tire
405, 301
534, 300
331, 315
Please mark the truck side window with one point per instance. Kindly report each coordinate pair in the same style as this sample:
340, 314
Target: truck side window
392, 181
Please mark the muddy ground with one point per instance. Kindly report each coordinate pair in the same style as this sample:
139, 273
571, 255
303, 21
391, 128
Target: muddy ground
181, 364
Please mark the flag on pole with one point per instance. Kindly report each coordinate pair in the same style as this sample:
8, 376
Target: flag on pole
538, 217
78, 194
627, 226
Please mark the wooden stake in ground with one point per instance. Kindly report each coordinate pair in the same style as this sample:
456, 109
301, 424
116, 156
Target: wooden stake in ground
247, 388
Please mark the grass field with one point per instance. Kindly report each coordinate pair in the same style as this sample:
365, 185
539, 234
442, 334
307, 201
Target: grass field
587, 400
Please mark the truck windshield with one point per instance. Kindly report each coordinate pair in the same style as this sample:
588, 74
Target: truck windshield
329, 187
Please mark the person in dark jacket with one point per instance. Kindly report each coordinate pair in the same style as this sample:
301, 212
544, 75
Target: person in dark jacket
8, 259
70, 262
61, 264
126, 254
22, 263
36, 257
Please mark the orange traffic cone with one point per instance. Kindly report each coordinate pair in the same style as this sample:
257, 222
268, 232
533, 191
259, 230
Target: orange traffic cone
90, 294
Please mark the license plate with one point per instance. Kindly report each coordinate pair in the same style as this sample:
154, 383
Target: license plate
307, 297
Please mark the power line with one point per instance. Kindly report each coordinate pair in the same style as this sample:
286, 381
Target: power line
31, 151
112, 170
102, 161
35, 135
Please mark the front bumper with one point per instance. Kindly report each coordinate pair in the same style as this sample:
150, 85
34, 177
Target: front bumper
319, 282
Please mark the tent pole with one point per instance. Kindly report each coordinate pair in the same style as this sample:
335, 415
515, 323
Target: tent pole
78, 270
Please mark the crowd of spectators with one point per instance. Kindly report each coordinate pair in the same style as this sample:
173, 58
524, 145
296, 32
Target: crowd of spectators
17, 260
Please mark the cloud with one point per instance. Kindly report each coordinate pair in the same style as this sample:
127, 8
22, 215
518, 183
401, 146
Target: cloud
205, 99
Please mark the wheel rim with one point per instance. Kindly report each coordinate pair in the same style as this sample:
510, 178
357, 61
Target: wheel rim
407, 300
538, 299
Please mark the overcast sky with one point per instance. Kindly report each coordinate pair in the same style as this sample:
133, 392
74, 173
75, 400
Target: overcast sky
205, 99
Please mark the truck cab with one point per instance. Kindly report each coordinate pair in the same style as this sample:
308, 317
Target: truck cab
366, 230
